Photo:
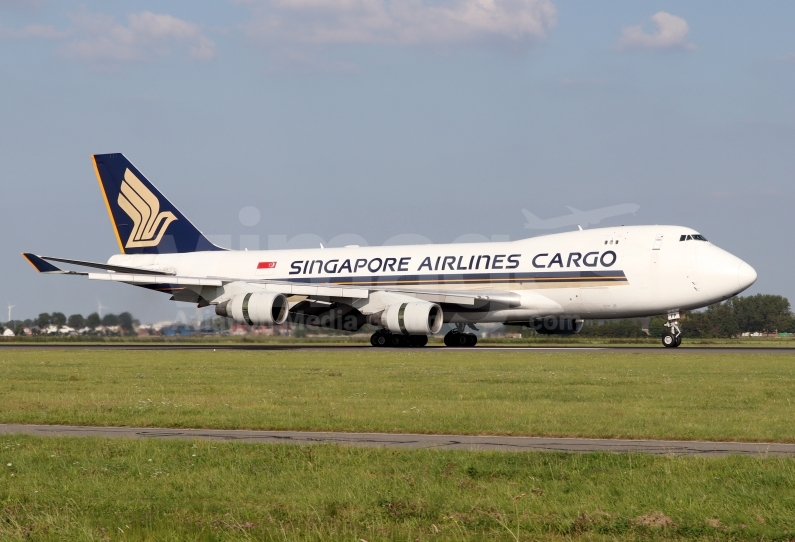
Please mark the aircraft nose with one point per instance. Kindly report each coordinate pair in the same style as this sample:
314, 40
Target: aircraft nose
746, 276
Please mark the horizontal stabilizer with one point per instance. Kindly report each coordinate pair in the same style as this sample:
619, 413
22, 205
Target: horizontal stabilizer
42, 266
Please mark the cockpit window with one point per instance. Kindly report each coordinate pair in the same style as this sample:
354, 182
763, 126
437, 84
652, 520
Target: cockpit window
696, 237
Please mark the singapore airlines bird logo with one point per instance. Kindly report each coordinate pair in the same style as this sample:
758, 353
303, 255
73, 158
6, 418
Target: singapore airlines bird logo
143, 207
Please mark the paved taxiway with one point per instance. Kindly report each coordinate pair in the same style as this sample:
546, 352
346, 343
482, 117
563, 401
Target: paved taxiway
410, 441
439, 349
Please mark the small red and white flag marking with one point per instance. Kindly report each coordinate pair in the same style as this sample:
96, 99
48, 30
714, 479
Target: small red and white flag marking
266, 265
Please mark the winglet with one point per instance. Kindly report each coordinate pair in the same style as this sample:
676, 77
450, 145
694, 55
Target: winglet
41, 265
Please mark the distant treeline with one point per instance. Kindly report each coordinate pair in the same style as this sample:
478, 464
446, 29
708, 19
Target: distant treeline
124, 321
761, 313
751, 314
767, 314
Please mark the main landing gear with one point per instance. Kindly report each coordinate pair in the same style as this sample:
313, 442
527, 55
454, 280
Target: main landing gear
457, 337
672, 338
384, 337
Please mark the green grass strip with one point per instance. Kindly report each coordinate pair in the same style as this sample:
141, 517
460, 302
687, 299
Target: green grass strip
103, 489
700, 396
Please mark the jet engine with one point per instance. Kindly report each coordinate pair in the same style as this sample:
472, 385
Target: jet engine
255, 309
553, 325
415, 318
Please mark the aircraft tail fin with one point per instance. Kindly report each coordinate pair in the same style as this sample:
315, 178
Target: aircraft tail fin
144, 221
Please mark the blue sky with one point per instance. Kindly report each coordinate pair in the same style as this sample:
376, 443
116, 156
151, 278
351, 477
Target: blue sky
379, 118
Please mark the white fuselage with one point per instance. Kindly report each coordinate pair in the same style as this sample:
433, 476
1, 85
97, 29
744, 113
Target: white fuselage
616, 272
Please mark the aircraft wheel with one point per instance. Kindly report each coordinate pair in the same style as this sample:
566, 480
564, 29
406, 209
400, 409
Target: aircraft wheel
454, 338
373, 338
669, 340
418, 340
381, 339
678, 339
397, 341
448, 339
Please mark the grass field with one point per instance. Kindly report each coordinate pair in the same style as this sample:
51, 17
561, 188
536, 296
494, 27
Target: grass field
97, 489
102, 489
708, 396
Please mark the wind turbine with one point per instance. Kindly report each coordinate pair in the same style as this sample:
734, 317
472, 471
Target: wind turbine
100, 306
10, 306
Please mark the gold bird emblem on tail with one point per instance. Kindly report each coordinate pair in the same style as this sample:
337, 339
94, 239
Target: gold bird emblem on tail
143, 207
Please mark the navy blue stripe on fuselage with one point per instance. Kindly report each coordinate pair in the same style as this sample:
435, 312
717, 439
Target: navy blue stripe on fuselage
562, 277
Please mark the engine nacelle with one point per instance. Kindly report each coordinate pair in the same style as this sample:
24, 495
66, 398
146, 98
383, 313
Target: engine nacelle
554, 325
415, 318
255, 309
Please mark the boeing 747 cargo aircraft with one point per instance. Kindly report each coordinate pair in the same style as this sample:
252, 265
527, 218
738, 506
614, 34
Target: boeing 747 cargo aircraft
551, 283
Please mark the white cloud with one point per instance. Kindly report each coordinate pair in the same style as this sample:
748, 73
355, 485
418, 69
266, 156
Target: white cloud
100, 38
400, 21
671, 33
204, 49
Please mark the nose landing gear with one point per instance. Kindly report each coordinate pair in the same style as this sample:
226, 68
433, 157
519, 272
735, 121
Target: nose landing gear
672, 338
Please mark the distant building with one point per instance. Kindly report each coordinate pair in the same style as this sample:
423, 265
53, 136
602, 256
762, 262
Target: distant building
8, 333
105, 330
145, 330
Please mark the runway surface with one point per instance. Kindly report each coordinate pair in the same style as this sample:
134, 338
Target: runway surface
410, 441
438, 349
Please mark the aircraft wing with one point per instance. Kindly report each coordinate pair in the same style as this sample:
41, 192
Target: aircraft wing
458, 297
175, 284
130, 278
179, 286
107, 267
